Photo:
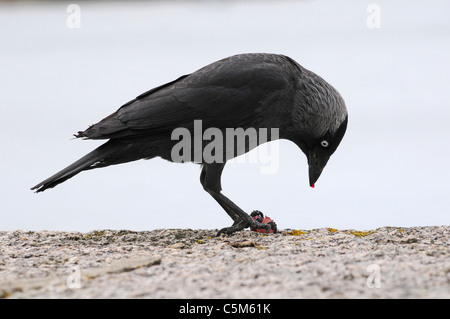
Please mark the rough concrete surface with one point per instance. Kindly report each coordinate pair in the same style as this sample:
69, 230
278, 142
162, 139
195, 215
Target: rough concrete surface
388, 262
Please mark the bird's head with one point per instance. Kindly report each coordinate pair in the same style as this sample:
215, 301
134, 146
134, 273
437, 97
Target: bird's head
319, 150
321, 121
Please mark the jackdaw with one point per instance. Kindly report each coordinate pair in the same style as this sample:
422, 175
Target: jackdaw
261, 91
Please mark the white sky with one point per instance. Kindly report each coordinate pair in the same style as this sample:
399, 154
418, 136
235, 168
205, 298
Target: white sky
392, 168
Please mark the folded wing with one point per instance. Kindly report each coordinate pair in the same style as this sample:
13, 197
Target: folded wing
232, 92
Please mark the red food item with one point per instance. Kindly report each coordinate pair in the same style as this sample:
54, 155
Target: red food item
264, 220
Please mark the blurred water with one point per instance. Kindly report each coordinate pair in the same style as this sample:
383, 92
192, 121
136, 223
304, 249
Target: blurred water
392, 167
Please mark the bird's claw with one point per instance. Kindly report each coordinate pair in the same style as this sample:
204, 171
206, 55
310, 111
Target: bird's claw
262, 224
256, 221
237, 226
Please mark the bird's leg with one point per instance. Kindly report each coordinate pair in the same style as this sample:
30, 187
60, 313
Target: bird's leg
212, 183
244, 220
210, 179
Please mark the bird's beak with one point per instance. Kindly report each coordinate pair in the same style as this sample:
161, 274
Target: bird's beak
316, 165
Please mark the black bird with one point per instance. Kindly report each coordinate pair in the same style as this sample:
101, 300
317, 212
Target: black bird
242, 91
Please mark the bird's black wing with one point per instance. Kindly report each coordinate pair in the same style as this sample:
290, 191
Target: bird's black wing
233, 92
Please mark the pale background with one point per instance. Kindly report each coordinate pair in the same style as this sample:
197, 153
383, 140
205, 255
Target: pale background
392, 168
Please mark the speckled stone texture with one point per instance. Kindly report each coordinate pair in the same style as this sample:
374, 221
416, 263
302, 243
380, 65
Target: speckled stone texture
389, 262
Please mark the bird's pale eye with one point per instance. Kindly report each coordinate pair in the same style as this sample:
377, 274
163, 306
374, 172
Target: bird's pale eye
324, 143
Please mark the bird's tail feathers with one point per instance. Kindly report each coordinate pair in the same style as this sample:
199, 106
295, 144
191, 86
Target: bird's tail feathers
96, 158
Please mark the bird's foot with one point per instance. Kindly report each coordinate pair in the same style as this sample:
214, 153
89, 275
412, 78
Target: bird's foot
265, 220
256, 221
237, 226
